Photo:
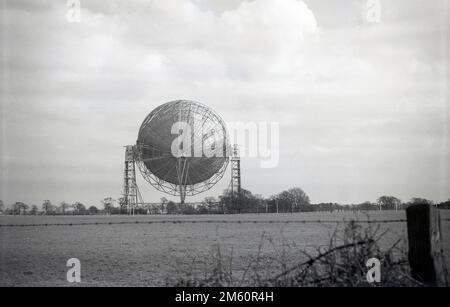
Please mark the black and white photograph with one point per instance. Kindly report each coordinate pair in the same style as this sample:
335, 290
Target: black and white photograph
225, 144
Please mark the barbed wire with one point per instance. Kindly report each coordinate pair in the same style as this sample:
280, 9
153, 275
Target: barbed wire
212, 222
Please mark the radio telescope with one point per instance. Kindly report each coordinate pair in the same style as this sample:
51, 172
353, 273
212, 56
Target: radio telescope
182, 148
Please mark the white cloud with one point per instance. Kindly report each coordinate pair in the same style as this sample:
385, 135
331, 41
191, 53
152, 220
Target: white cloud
350, 99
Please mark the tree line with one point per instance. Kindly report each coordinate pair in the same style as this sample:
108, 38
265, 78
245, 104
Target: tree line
47, 208
288, 201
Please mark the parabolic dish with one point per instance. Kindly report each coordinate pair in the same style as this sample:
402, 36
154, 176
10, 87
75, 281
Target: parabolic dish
204, 157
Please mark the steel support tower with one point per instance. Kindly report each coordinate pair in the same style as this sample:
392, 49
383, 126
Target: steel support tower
236, 177
131, 194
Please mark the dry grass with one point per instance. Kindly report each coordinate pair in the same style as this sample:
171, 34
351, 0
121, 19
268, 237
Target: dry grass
191, 250
340, 263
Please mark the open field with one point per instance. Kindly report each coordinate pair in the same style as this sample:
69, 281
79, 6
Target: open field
160, 247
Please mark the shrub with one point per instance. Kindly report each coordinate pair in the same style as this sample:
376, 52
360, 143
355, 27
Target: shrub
341, 263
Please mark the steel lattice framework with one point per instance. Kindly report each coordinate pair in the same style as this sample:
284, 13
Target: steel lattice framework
235, 173
131, 195
205, 157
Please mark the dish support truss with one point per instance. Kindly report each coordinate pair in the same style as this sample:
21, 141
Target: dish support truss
131, 195
182, 190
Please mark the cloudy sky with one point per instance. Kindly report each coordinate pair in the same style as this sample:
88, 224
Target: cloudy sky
362, 106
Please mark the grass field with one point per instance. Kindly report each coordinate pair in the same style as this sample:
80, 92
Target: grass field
150, 254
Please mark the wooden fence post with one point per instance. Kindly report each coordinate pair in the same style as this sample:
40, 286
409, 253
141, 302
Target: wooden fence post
426, 255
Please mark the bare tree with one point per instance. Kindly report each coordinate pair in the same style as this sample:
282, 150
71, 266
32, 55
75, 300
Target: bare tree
211, 204
79, 208
418, 200
25, 207
47, 207
20, 208
108, 204
291, 200
298, 197
93, 210
63, 206
388, 202
34, 209
172, 207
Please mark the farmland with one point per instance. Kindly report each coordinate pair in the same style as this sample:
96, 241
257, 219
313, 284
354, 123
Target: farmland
150, 250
